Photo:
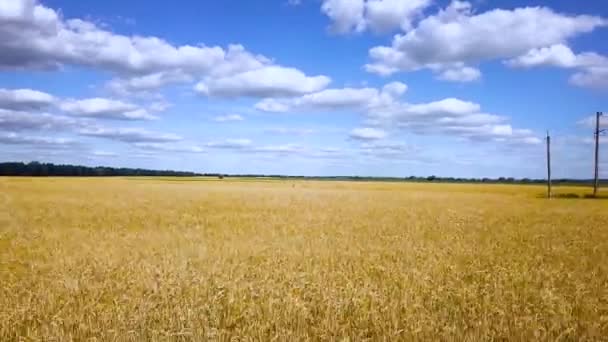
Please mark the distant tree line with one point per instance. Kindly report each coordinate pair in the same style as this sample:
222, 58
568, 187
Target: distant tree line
429, 179
49, 169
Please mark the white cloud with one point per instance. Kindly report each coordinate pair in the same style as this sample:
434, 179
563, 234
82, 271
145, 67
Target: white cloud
24, 99
447, 107
458, 36
104, 154
228, 118
11, 120
394, 89
555, 55
169, 147
23, 107
591, 141
269, 81
592, 67
378, 15
382, 108
138, 114
238, 60
589, 121
105, 108
230, 143
452, 117
367, 134
460, 74
247, 146
159, 106
386, 15
594, 77
130, 135
12, 138
272, 106
37, 37
335, 99
147, 83
391, 150
290, 131
279, 149
346, 15
472, 119
382, 69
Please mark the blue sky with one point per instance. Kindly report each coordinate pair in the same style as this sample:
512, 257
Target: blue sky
310, 87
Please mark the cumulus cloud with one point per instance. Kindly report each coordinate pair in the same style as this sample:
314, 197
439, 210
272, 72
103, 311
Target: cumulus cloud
590, 141
159, 106
146, 83
346, 15
11, 120
335, 99
290, 131
169, 147
394, 89
386, 15
268, 81
32, 101
248, 146
279, 149
24, 99
228, 118
367, 134
460, 74
104, 154
594, 77
105, 108
230, 144
589, 121
12, 138
591, 67
272, 106
383, 108
378, 15
130, 135
37, 37
453, 117
555, 55
443, 108
457, 35
472, 119
388, 149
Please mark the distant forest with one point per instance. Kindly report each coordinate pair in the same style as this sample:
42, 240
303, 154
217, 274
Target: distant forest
37, 169
48, 169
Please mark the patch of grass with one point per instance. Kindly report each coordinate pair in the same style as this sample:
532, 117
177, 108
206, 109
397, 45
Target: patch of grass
130, 259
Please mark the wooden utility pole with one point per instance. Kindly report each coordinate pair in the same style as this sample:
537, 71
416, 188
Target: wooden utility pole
548, 165
596, 178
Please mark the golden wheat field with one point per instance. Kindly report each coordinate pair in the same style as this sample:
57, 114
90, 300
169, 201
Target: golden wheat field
118, 259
